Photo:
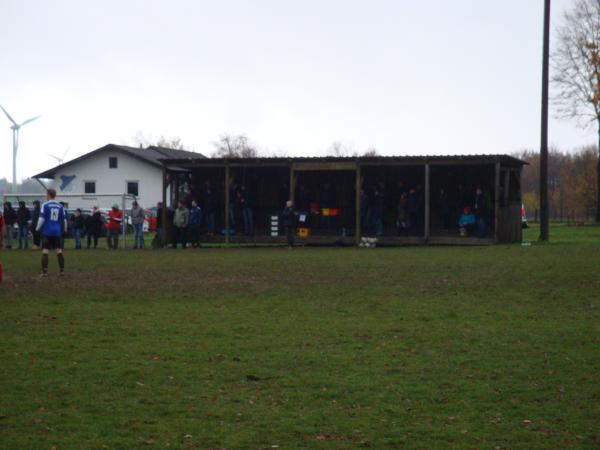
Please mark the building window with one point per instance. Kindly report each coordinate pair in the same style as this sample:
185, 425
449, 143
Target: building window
113, 162
132, 188
89, 187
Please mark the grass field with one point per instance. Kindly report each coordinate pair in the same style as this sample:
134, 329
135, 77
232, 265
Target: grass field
327, 348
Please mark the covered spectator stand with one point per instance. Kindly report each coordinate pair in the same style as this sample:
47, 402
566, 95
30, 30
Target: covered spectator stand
399, 200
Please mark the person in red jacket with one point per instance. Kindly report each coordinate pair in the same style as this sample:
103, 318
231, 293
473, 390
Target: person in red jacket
113, 227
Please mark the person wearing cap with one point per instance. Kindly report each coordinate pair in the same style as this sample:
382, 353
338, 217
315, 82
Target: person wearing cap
113, 227
137, 220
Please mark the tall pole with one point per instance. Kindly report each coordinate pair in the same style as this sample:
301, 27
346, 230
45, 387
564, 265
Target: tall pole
544, 213
15, 145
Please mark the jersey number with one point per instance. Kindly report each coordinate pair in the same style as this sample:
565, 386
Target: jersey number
54, 214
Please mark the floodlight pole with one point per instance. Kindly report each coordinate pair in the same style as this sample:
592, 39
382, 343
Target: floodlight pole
544, 213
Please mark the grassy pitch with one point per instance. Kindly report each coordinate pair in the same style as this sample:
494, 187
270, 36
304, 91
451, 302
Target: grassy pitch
327, 348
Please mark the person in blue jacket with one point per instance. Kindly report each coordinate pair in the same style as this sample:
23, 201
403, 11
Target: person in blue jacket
195, 224
467, 222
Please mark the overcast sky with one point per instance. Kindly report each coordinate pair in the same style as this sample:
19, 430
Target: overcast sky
406, 77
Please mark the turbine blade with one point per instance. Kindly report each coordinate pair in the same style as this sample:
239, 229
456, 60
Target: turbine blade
30, 120
8, 115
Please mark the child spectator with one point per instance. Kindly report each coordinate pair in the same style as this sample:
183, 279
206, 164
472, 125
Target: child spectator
467, 222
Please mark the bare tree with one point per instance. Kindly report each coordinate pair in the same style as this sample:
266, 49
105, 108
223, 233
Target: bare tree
371, 152
576, 66
234, 146
339, 150
173, 142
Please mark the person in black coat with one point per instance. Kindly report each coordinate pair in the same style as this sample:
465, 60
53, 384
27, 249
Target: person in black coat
93, 227
35, 215
78, 224
10, 218
377, 207
482, 211
23, 218
288, 219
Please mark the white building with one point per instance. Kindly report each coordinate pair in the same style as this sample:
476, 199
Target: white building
113, 169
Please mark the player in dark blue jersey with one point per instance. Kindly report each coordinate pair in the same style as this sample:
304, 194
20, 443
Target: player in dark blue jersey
52, 223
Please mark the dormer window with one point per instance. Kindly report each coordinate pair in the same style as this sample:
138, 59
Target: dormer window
113, 162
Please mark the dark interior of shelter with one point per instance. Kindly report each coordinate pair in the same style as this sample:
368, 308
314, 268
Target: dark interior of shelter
326, 202
391, 201
382, 191
453, 188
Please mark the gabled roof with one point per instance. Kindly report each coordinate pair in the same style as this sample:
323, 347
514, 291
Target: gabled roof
416, 159
151, 155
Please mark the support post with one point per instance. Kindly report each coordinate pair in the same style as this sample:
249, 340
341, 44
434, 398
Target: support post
544, 210
292, 182
162, 237
496, 201
506, 188
43, 185
227, 182
520, 192
358, 205
427, 203
124, 223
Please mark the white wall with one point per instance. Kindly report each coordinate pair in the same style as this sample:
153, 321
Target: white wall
110, 181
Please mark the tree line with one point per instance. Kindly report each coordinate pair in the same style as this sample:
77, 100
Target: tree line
572, 182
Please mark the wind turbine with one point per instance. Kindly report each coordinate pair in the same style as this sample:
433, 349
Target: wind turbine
60, 159
16, 127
